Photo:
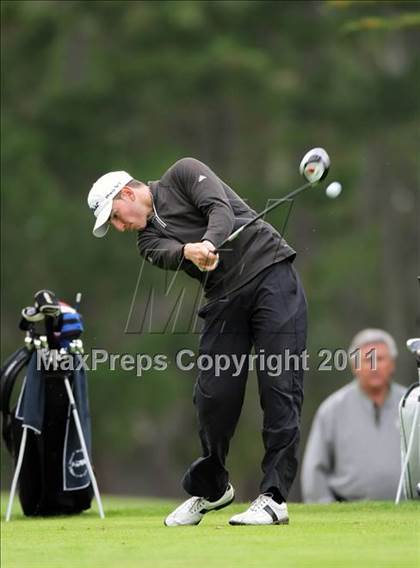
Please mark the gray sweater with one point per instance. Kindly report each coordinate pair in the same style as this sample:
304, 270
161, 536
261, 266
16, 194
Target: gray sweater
353, 450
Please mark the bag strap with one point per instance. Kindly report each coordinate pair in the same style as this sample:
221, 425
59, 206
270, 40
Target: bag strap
408, 392
8, 375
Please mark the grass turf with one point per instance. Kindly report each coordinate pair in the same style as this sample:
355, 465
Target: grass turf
362, 535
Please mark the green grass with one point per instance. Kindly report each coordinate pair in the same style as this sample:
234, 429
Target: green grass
362, 535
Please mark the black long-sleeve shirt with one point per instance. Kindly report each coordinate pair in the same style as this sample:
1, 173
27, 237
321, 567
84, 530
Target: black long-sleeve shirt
192, 204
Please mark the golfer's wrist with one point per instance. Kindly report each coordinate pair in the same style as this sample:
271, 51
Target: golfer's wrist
185, 250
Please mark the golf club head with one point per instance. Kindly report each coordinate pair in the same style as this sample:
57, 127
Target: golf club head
47, 303
32, 315
315, 165
413, 345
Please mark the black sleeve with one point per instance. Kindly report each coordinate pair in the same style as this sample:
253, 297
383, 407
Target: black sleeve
206, 192
160, 251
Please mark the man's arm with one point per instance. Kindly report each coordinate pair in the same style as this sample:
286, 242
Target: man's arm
206, 192
317, 463
169, 254
160, 251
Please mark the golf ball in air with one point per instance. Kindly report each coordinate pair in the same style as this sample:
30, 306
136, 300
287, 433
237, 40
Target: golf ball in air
334, 189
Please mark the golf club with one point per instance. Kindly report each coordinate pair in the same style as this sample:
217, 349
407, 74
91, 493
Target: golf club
409, 441
413, 345
78, 301
314, 167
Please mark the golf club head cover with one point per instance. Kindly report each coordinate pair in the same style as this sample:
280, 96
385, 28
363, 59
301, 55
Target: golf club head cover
47, 303
70, 325
30, 316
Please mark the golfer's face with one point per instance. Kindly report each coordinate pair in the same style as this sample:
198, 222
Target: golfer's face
376, 366
127, 214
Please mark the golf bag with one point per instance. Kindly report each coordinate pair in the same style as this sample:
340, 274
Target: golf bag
410, 453
410, 433
40, 431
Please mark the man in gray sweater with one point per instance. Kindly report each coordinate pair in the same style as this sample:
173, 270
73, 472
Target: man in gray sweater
353, 450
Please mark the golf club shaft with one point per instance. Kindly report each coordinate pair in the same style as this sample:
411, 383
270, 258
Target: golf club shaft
278, 202
78, 301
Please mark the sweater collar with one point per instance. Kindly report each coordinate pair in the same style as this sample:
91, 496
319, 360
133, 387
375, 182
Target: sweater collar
153, 186
368, 400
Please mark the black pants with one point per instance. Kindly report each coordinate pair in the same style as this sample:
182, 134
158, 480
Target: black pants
270, 313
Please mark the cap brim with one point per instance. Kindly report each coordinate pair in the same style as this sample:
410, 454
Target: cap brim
101, 226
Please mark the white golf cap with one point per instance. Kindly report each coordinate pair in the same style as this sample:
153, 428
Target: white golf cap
100, 198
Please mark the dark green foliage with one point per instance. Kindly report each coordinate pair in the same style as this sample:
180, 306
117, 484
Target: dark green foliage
246, 86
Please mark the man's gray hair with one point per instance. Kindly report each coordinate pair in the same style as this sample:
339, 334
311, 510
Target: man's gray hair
372, 335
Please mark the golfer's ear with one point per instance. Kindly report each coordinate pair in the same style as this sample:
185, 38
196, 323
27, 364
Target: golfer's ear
128, 193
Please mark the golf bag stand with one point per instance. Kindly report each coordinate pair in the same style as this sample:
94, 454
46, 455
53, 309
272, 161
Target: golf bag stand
86, 457
409, 413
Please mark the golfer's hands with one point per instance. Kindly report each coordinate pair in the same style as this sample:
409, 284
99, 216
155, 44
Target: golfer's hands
201, 255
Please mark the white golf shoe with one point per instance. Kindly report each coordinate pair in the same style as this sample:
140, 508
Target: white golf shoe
263, 511
193, 510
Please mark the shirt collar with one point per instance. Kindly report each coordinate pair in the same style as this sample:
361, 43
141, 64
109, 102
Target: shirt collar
153, 185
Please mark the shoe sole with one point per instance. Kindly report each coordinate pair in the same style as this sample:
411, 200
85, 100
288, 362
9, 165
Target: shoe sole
189, 525
237, 524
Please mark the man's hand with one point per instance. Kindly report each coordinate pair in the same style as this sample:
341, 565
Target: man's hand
201, 255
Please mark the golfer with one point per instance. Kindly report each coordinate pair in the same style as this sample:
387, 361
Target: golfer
255, 299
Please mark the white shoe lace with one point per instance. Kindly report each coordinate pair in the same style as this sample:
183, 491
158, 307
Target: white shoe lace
260, 502
198, 505
192, 505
